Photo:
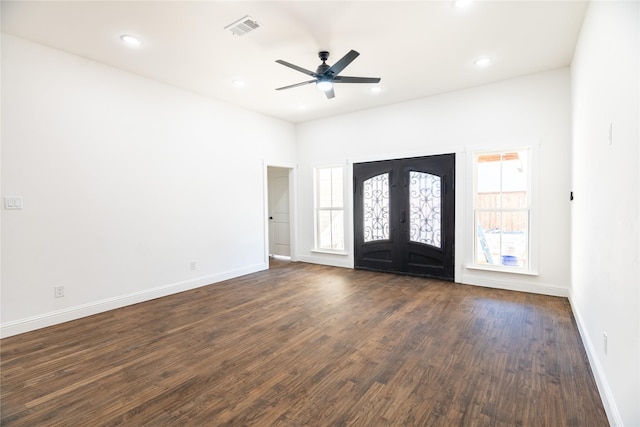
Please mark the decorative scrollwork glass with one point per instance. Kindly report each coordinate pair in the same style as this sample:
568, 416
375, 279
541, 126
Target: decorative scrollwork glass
425, 208
376, 208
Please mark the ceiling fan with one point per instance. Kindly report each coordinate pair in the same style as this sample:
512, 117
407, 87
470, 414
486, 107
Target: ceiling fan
325, 76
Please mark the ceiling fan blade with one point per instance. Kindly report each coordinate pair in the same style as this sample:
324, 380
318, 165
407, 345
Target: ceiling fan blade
346, 79
342, 63
295, 67
330, 93
296, 85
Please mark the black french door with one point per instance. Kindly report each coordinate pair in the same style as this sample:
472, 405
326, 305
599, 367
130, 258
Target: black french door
404, 216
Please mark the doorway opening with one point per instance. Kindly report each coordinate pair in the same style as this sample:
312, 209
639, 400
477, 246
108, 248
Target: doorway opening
279, 212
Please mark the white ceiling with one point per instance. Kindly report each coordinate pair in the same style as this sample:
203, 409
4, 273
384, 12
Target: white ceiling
418, 48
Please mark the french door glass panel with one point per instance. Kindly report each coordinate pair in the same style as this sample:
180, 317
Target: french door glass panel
425, 203
375, 198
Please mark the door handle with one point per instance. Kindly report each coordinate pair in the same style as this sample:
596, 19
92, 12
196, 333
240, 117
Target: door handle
402, 216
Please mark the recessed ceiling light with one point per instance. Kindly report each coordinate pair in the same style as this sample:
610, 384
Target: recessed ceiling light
459, 4
375, 89
238, 83
482, 62
131, 40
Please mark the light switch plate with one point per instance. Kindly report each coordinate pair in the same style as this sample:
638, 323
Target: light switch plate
13, 202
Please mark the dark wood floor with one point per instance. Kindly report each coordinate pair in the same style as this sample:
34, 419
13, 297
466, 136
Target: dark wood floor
304, 344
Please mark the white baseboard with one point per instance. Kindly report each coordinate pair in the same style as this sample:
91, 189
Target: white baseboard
514, 285
325, 260
468, 279
610, 407
72, 313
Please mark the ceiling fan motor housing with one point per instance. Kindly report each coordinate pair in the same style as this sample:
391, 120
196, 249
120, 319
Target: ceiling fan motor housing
324, 55
322, 68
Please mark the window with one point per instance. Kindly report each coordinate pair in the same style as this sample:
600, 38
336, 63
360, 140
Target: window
502, 209
329, 208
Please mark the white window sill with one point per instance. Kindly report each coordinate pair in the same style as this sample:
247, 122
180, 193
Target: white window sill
328, 251
499, 269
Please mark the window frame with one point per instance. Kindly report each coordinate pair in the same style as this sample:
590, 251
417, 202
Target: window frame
317, 208
532, 198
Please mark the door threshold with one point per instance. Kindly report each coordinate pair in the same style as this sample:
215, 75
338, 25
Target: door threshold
280, 257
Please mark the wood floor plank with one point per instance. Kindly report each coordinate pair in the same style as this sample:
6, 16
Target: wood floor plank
304, 344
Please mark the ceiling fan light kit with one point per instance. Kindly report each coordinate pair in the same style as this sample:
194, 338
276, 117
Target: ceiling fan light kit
324, 85
325, 76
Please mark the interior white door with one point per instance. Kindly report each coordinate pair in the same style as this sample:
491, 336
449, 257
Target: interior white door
279, 229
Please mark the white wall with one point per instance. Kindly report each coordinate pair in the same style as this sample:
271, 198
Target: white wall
125, 182
605, 214
531, 109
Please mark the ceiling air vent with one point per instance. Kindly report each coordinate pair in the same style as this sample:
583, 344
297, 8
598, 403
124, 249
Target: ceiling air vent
242, 26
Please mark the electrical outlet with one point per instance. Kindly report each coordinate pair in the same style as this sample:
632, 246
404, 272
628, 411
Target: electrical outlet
193, 265
605, 342
58, 291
